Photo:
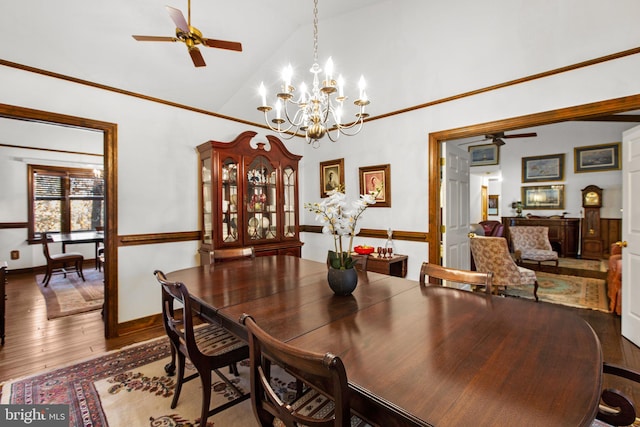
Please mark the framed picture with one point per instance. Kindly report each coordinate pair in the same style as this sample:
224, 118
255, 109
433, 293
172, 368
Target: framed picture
331, 176
377, 180
543, 197
543, 168
484, 155
492, 205
596, 158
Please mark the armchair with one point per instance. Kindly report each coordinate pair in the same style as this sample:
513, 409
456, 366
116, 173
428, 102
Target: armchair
532, 242
491, 254
492, 228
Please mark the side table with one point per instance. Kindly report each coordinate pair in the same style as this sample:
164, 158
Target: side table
394, 266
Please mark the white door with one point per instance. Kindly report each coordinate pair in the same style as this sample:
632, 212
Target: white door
631, 234
455, 210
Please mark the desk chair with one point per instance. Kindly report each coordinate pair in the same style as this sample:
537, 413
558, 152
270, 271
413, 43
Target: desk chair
491, 254
209, 347
221, 255
58, 263
313, 408
473, 278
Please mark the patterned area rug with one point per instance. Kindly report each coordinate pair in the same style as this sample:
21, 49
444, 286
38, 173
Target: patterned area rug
129, 387
573, 263
70, 295
581, 292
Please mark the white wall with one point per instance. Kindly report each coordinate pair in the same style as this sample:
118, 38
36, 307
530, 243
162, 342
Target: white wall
426, 58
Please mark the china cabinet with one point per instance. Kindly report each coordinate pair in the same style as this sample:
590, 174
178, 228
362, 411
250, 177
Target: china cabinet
249, 196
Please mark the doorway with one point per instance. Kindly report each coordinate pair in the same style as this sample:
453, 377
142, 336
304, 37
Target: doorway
581, 112
109, 131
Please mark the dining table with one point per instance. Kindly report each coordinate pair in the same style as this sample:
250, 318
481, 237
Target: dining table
80, 237
417, 355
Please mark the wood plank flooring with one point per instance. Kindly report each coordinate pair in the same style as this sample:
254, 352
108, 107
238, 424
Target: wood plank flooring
34, 343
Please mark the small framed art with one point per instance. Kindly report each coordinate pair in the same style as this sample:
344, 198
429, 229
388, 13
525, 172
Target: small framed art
596, 158
484, 155
377, 180
543, 168
331, 176
543, 197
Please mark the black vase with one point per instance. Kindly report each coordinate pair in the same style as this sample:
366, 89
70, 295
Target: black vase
342, 282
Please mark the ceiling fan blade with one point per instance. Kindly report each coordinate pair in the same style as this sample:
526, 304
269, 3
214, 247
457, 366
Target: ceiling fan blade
196, 57
178, 18
520, 135
223, 44
155, 39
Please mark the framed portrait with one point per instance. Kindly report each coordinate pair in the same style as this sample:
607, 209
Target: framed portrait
484, 155
543, 197
331, 176
596, 158
492, 205
377, 180
543, 168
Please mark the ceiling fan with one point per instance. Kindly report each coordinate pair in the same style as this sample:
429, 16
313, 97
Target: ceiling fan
190, 36
499, 137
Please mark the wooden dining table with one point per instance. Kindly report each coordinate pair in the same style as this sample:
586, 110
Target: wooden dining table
417, 355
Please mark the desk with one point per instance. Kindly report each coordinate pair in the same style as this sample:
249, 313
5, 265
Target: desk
416, 356
80, 237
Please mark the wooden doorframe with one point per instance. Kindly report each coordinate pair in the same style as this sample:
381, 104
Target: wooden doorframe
580, 112
110, 153
484, 201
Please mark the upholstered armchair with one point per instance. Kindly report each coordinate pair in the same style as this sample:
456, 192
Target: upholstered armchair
532, 243
492, 228
614, 279
491, 254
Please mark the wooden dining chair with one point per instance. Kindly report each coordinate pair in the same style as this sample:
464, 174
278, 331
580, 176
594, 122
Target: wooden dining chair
466, 277
616, 408
221, 255
324, 402
209, 347
58, 263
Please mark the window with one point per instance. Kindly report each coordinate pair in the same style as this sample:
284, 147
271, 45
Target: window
63, 200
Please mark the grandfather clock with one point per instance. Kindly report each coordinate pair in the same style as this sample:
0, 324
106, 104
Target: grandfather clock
591, 239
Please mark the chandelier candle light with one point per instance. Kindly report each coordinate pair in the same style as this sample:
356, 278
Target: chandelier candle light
317, 112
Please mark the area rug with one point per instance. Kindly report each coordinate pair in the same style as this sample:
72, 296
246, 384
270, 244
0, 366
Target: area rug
129, 387
572, 291
577, 264
70, 295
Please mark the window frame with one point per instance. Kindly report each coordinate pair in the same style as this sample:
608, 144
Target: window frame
66, 173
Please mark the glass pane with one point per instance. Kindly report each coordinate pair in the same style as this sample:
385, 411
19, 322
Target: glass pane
207, 220
48, 216
85, 186
49, 186
289, 180
229, 202
261, 200
82, 212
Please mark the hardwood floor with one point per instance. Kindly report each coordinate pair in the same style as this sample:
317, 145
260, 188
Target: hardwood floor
34, 343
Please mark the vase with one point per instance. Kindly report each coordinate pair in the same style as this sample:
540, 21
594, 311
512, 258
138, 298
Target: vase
342, 281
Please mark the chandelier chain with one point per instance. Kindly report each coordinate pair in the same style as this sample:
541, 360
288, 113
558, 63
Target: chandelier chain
315, 31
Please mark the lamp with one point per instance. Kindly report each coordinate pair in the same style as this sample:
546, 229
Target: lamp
317, 112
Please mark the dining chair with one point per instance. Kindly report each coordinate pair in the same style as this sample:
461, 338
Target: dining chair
221, 255
208, 347
474, 278
324, 402
491, 254
533, 243
616, 408
58, 263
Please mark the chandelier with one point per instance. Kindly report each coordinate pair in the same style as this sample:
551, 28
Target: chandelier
316, 112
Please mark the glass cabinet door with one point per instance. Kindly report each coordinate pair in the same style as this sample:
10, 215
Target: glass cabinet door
261, 201
289, 182
229, 201
207, 195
